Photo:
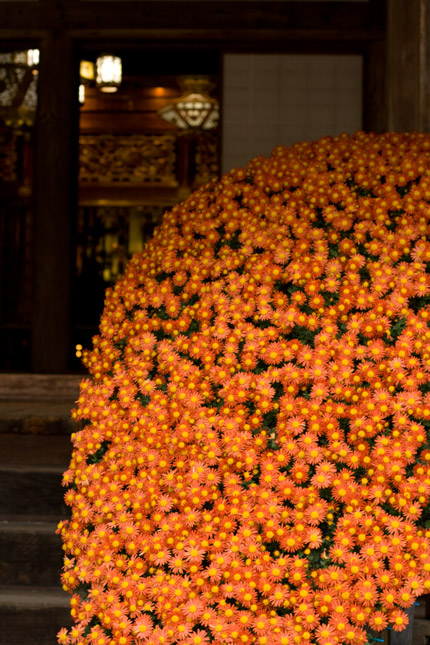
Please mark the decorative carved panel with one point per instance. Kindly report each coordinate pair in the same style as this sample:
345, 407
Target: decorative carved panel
131, 160
206, 159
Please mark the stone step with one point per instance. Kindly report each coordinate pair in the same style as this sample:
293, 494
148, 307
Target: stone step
30, 553
37, 387
35, 449
32, 616
36, 432
36, 417
36, 490
27, 450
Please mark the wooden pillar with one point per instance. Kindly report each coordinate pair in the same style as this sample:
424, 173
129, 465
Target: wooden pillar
407, 69
374, 67
424, 122
374, 95
55, 204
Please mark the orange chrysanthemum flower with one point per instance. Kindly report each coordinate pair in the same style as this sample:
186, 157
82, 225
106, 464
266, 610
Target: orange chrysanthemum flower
253, 460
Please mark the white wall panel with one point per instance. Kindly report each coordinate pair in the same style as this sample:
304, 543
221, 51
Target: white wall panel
271, 99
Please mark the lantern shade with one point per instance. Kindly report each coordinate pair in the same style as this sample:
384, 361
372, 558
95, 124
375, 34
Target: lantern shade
109, 73
195, 109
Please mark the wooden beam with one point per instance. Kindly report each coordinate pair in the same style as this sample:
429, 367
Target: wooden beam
55, 205
212, 21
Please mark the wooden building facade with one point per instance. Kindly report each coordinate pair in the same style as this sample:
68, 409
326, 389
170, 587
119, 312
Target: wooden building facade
74, 185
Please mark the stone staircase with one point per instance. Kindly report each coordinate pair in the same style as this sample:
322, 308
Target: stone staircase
35, 448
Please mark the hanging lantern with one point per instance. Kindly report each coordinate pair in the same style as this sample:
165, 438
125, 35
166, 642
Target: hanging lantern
195, 109
109, 73
33, 57
86, 76
86, 71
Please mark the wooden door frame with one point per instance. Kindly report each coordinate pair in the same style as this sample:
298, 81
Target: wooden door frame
60, 28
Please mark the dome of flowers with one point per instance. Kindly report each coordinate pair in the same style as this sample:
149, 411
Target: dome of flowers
253, 463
